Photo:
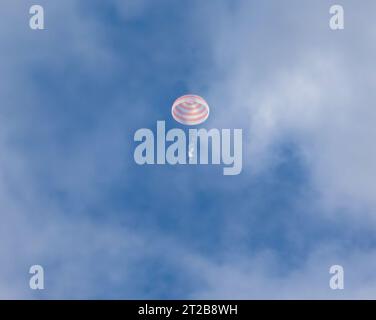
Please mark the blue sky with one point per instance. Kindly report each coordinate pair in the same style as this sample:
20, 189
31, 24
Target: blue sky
73, 200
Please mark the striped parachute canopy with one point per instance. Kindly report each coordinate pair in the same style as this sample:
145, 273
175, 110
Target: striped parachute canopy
190, 110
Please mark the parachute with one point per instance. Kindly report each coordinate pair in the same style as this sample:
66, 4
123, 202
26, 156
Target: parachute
190, 110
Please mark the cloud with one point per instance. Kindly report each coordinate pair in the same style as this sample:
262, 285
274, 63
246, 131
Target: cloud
264, 277
57, 160
298, 82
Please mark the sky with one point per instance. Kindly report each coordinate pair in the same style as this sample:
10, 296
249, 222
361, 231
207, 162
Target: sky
73, 200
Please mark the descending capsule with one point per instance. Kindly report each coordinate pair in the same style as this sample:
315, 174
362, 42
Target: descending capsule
190, 110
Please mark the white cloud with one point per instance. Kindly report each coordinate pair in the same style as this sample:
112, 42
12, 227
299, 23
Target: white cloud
79, 252
260, 277
298, 81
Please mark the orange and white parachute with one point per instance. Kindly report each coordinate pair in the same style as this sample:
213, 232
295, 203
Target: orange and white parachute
190, 110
